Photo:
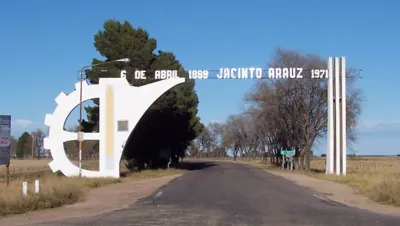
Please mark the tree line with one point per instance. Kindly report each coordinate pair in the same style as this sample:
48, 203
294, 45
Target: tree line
28, 146
280, 114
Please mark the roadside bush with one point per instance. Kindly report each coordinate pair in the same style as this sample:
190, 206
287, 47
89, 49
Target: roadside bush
387, 192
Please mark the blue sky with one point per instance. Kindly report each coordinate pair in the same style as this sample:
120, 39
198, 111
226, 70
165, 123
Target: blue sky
44, 43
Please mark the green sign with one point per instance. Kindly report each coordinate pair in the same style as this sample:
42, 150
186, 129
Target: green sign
287, 152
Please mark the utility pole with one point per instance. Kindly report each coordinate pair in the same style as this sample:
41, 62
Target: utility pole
33, 145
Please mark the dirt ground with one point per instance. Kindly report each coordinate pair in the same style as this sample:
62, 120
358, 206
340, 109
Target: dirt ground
98, 200
339, 193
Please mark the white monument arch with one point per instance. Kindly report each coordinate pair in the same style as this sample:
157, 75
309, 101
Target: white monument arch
337, 149
117, 121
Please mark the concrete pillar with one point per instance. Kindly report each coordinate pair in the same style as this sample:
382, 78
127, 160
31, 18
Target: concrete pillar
336, 145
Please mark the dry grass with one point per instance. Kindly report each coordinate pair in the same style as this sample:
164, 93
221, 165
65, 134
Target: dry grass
53, 193
376, 177
25, 167
57, 190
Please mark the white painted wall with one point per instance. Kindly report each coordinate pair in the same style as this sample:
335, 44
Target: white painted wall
140, 99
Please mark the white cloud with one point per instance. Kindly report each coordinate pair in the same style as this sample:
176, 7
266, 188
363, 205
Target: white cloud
22, 123
378, 125
216, 121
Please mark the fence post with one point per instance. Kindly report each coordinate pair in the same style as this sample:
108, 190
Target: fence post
36, 186
24, 188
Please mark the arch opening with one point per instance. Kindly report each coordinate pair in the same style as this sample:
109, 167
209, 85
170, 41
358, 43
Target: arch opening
90, 148
156, 139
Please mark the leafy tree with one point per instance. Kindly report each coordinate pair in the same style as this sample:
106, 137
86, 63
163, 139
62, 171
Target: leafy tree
24, 145
295, 110
38, 139
192, 150
172, 121
210, 142
287, 113
240, 135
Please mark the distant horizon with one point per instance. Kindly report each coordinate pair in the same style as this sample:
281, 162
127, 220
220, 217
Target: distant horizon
319, 146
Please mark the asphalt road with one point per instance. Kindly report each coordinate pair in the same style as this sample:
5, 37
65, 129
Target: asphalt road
234, 194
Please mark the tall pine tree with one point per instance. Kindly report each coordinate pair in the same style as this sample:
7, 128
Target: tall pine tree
24, 146
172, 121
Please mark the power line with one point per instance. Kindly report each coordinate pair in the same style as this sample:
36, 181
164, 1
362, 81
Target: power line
261, 74
267, 77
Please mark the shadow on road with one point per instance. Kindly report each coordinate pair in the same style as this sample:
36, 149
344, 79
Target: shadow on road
317, 171
191, 165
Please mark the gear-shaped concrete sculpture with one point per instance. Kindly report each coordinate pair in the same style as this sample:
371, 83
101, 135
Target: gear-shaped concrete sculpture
114, 112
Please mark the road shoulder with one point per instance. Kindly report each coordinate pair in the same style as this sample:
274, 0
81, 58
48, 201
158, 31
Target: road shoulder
338, 192
98, 201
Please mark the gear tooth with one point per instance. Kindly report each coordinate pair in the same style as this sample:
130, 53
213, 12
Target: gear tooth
48, 120
78, 85
60, 98
47, 143
53, 166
